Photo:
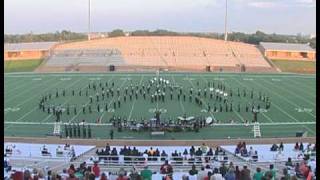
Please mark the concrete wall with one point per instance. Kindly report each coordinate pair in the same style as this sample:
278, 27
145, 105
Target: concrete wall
290, 55
24, 55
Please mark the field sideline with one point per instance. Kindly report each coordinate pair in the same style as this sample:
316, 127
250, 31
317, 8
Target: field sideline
293, 104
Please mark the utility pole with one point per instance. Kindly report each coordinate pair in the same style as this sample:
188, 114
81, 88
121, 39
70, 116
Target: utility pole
89, 22
225, 23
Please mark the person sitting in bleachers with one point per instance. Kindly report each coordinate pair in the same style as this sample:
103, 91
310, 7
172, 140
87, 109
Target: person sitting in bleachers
107, 147
44, 151
281, 146
289, 162
301, 146
210, 152
151, 152
59, 150
9, 149
192, 150
255, 156
164, 155
274, 147
244, 152
251, 151
204, 148
198, 152
114, 153
193, 170
166, 168
296, 146
157, 153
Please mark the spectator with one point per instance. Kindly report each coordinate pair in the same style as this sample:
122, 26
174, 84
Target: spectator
185, 177
272, 171
122, 172
202, 174
281, 146
64, 174
268, 175
251, 151
310, 174
92, 176
185, 152
103, 176
296, 146
207, 168
108, 147
301, 146
146, 174
27, 175
245, 173
258, 175
96, 169
216, 175
204, 148
122, 177
134, 175
208, 176
230, 175
210, 152
231, 166
193, 170
289, 162
286, 175
192, 150
71, 169
166, 168
274, 147
41, 175
86, 175
223, 169
238, 173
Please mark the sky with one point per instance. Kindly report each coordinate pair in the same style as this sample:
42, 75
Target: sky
270, 16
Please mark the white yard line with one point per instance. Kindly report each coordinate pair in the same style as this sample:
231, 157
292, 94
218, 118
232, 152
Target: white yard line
25, 115
28, 90
112, 98
132, 107
267, 117
44, 120
239, 115
280, 87
203, 100
295, 105
181, 105
304, 89
32, 97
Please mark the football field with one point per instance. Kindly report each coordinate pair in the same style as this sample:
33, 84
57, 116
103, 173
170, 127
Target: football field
292, 97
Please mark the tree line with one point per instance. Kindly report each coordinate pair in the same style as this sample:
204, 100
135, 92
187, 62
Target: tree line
253, 38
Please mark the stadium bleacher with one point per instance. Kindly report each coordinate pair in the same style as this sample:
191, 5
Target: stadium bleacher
179, 52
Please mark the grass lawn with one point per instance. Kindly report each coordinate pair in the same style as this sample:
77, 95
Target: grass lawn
292, 109
296, 66
21, 65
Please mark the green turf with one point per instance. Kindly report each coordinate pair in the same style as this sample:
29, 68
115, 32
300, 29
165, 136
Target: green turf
21, 65
292, 97
296, 66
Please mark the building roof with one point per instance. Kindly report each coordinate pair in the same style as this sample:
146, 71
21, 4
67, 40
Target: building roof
286, 46
33, 46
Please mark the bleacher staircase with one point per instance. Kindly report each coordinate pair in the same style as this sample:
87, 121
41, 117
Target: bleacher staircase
256, 130
57, 128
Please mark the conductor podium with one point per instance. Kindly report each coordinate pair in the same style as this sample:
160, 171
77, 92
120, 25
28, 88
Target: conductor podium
155, 125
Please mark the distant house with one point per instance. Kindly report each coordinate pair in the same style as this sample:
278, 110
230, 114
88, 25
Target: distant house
23, 51
288, 51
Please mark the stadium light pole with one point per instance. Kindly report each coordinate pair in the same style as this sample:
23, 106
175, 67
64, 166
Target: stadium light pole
89, 18
225, 23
